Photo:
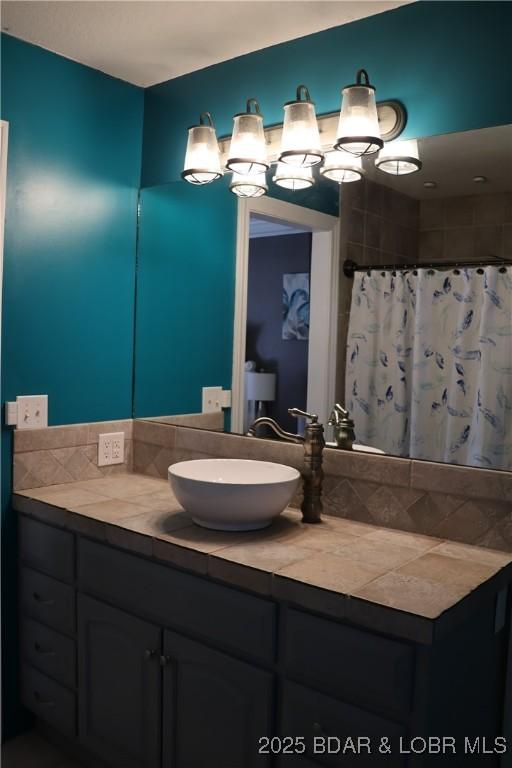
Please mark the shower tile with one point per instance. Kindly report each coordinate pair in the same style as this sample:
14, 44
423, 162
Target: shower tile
507, 241
355, 228
460, 243
459, 211
431, 245
488, 242
431, 214
372, 230
489, 209
373, 197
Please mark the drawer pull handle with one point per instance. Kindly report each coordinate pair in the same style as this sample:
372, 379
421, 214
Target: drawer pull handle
164, 660
43, 702
39, 599
41, 650
149, 654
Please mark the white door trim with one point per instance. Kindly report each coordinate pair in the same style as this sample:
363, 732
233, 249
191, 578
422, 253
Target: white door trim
324, 317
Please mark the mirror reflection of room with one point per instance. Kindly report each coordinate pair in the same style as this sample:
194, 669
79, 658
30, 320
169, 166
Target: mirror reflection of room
428, 332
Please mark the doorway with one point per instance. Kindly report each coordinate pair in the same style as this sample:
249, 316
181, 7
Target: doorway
292, 251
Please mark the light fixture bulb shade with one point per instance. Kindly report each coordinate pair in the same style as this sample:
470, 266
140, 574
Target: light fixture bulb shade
202, 158
342, 167
248, 150
399, 157
358, 127
293, 177
300, 141
249, 184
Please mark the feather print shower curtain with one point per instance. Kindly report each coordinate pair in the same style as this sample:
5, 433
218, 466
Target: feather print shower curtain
429, 364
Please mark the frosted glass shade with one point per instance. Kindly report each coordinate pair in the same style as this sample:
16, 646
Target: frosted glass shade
300, 142
293, 177
248, 151
399, 158
342, 167
202, 158
249, 184
260, 386
358, 127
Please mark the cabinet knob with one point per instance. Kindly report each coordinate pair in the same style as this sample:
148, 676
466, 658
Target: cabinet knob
149, 654
164, 660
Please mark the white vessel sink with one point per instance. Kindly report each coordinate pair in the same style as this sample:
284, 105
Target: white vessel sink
233, 494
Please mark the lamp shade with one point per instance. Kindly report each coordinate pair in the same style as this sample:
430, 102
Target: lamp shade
293, 177
399, 157
358, 127
260, 386
300, 141
342, 167
249, 184
248, 150
202, 158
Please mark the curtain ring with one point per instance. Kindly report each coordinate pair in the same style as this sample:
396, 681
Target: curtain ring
415, 272
480, 271
368, 273
431, 272
503, 270
456, 271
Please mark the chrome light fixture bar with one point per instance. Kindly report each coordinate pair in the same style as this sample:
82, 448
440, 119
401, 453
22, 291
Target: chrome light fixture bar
202, 158
392, 120
300, 141
248, 151
358, 129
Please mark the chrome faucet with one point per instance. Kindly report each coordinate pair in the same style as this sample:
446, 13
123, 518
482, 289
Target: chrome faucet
312, 473
344, 435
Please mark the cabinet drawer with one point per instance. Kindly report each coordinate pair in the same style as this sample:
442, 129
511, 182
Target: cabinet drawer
49, 652
311, 714
47, 549
348, 663
48, 700
47, 600
219, 614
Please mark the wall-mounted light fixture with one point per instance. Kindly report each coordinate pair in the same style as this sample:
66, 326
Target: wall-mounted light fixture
358, 128
293, 177
342, 167
300, 141
248, 151
399, 158
202, 158
249, 184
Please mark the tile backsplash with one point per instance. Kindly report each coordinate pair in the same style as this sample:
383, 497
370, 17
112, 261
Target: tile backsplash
64, 454
473, 506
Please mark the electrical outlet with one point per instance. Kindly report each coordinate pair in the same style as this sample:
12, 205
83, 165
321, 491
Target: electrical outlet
110, 448
32, 411
215, 399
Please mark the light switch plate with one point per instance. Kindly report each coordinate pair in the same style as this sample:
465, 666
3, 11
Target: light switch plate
110, 448
32, 411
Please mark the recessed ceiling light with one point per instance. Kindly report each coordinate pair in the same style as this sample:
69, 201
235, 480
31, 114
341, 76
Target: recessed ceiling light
430, 184
479, 179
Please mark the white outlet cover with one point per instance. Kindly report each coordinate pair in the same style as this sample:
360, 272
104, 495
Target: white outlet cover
110, 449
32, 411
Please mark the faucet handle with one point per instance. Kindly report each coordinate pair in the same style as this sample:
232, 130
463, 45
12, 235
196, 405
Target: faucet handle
297, 412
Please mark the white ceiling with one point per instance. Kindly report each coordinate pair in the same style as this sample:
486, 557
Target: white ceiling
152, 41
452, 160
264, 226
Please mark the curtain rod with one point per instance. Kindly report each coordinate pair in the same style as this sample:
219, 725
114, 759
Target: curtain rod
350, 267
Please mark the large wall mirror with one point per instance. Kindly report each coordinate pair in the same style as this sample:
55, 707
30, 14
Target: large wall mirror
391, 295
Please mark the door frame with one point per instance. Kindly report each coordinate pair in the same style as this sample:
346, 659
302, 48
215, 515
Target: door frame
325, 260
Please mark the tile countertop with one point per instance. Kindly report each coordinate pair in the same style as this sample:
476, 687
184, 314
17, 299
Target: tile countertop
341, 568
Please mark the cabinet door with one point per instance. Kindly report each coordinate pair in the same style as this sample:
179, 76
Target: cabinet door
215, 708
119, 686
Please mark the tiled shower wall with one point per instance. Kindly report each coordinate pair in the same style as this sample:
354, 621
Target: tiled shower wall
465, 228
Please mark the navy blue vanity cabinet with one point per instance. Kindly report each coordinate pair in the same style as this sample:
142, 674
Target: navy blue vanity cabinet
119, 685
215, 707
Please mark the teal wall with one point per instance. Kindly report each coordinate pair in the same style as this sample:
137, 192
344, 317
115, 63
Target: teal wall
69, 258
185, 292
449, 63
